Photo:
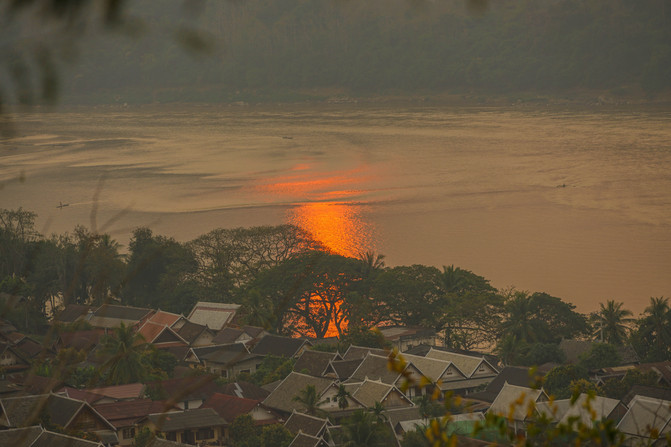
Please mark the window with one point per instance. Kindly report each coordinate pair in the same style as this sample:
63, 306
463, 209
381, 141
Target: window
245, 371
129, 433
204, 433
224, 373
171, 436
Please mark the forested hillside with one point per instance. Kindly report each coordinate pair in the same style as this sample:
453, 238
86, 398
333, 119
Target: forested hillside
306, 48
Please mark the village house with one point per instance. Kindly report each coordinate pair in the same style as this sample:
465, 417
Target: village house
199, 426
513, 403
229, 407
126, 415
403, 338
213, 315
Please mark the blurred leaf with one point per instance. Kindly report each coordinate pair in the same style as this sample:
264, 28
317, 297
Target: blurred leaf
48, 75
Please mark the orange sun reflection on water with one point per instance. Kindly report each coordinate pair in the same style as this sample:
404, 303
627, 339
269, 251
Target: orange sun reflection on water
324, 206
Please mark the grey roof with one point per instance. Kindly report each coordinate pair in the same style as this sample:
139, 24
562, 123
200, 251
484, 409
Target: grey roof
509, 395
279, 346
646, 413
228, 335
430, 367
213, 315
245, 389
121, 312
72, 312
190, 331
374, 367
561, 410
228, 358
368, 392
38, 437
314, 362
182, 420
397, 415
359, 352
345, 368
305, 423
304, 440
158, 442
647, 391
513, 375
467, 364
281, 398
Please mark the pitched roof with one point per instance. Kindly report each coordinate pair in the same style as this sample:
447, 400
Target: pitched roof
508, 401
369, 391
314, 362
359, 352
24, 411
86, 396
181, 420
563, 410
228, 335
245, 389
188, 388
38, 437
647, 391
467, 364
344, 369
393, 333
304, 440
281, 398
513, 375
120, 392
156, 333
72, 312
191, 331
374, 367
213, 315
310, 425
429, 367
126, 413
165, 318
644, 414
81, 340
229, 407
278, 345
111, 315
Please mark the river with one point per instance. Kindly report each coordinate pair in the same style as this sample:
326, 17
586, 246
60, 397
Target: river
572, 202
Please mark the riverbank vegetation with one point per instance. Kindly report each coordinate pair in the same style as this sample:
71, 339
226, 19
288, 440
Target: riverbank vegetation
289, 284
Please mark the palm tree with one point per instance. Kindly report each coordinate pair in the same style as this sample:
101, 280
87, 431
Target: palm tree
122, 353
612, 322
378, 411
655, 327
519, 324
310, 400
370, 262
361, 429
343, 396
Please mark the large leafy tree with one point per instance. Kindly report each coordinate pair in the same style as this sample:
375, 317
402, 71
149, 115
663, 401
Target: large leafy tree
160, 273
612, 323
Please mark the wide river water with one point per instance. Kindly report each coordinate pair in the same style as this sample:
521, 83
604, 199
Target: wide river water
576, 203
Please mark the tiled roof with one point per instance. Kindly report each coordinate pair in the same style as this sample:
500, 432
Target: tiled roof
86, 396
165, 318
602, 407
213, 315
359, 352
401, 332
509, 395
121, 392
125, 413
228, 335
513, 375
314, 362
122, 312
245, 389
303, 440
646, 414
38, 437
189, 419
368, 392
431, 368
72, 312
188, 388
310, 425
81, 340
159, 333
229, 407
374, 367
191, 331
282, 397
278, 346
345, 368
465, 363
